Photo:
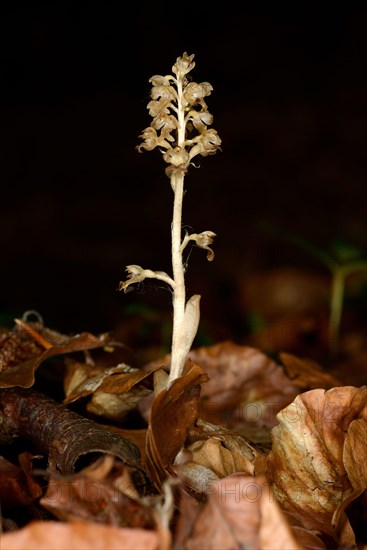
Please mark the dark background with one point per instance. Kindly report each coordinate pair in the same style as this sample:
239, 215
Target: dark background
78, 203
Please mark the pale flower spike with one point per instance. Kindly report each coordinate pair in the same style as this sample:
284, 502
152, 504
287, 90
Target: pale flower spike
180, 130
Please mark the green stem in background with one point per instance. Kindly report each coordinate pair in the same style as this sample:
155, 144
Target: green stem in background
336, 309
339, 276
339, 273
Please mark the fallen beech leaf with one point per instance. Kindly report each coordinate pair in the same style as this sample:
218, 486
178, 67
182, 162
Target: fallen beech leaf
307, 374
218, 454
173, 413
306, 538
52, 535
16, 347
23, 374
82, 379
188, 509
114, 391
317, 462
17, 486
246, 388
240, 512
102, 492
354, 458
116, 407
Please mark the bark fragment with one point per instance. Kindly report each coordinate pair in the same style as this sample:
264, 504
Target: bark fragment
65, 436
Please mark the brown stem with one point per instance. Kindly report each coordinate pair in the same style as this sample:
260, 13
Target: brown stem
64, 435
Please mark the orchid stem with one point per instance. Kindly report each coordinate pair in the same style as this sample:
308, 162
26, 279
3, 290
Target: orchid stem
179, 293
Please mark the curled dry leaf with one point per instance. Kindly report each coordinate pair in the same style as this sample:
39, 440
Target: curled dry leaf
240, 512
103, 492
318, 459
79, 536
16, 347
214, 454
114, 391
173, 413
17, 485
246, 388
21, 371
245, 385
308, 539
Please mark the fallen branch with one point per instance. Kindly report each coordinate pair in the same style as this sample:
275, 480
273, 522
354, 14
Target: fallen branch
69, 440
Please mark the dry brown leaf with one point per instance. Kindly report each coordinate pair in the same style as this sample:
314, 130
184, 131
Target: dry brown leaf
23, 374
114, 391
102, 492
317, 462
173, 413
354, 459
83, 379
306, 373
245, 385
216, 453
220, 455
17, 486
306, 538
16, 347
187, 510
240, 512
52, 535
246, 388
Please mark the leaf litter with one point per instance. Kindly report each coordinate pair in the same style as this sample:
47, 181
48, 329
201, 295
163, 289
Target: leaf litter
244, 450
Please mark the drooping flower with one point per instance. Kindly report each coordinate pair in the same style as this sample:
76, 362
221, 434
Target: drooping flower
137, 274
152, 140
207, 143
202, 240
194, 93
165, 123
158, 107
163, 91
177, 157
200, 119
159, 80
